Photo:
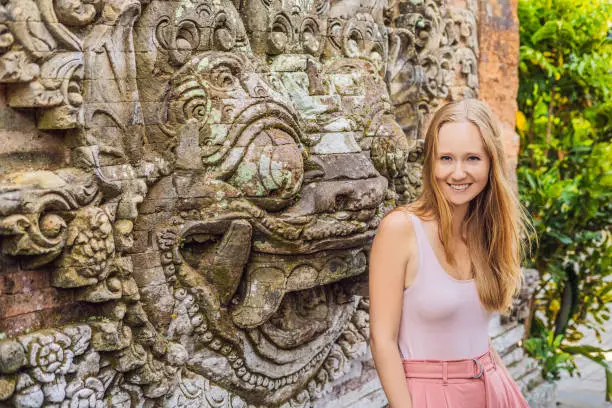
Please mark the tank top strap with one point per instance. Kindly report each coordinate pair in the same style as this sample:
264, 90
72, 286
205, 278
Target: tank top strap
427, 261
421, 235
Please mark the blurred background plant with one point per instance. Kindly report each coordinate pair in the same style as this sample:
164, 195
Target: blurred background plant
565, 174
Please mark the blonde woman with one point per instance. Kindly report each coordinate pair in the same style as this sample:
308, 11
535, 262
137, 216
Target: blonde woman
441, 266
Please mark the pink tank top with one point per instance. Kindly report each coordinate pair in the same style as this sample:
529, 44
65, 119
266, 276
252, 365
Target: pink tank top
442, 317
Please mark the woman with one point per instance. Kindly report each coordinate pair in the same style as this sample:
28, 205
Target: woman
442, 265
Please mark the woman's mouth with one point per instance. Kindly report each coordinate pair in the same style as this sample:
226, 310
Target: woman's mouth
459, 187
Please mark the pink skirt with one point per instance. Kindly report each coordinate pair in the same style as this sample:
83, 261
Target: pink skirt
470, 383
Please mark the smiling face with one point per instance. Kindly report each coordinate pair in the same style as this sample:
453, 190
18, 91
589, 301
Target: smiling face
461, 164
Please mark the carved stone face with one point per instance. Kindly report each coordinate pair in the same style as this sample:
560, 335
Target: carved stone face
274, 199
233, 233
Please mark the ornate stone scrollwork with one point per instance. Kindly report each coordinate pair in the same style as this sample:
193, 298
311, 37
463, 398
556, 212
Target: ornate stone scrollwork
230, 162
428, 42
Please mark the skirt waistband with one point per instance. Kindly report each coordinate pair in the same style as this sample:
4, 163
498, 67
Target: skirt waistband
452, 369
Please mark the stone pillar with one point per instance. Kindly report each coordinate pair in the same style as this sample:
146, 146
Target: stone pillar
498, 37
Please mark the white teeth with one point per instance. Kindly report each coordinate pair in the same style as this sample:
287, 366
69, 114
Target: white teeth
459, 187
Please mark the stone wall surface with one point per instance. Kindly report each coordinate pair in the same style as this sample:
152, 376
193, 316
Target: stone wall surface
188, 191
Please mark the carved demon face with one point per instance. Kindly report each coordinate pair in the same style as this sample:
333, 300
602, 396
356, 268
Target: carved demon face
238, 231
281, 175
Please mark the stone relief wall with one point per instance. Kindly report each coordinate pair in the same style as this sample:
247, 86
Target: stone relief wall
197, 183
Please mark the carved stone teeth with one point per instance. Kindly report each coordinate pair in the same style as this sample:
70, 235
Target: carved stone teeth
189, 302
288, 379
238, 363
253, 379
166, 258
283, 381
241, 372
277, 384
232, 356
271, 385
206, 337
246, 376
169, 270
215, 344
225, 350
197, 319
193, 310
295, 377
265, 381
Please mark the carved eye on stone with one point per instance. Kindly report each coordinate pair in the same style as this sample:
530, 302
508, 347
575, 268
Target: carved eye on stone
182, 43
310, 32
223, 36
280, 35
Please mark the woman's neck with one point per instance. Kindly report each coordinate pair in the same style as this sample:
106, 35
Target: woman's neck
458, 214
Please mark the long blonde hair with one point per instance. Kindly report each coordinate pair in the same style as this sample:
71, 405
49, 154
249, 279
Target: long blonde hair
495, 222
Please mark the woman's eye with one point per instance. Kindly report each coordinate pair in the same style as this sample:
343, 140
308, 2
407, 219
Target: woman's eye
445, 158
474, 158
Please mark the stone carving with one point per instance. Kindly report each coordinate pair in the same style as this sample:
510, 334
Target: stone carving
521, 306
230, 162
427, 43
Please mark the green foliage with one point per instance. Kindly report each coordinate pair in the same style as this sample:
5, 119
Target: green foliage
546, 347
565, 170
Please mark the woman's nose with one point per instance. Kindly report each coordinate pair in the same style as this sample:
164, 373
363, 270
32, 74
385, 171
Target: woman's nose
458, 171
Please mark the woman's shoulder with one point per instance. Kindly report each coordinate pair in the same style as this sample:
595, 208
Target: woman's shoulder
399, 221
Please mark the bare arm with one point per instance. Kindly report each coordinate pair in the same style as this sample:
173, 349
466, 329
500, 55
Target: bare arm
388, 259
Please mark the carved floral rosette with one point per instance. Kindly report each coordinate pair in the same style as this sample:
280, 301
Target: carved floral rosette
230, 162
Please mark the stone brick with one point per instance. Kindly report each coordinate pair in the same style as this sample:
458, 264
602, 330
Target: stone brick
53, 317
35, 300
24, 281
